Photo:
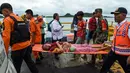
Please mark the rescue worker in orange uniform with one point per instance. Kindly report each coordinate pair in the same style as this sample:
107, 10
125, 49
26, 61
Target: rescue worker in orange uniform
29, 16
19, 44
121, 43
35, 28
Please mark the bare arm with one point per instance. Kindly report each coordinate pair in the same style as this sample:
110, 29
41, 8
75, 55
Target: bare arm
6, 34
59, 46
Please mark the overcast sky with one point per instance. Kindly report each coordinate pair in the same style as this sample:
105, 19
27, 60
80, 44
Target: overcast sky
48, 7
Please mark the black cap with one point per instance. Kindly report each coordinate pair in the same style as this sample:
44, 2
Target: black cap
6, 5
80, 13
98, 10
120, 10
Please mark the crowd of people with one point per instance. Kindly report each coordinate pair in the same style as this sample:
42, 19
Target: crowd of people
22, 33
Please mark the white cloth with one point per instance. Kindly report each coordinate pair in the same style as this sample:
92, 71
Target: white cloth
75, 27
120, 24
57, 32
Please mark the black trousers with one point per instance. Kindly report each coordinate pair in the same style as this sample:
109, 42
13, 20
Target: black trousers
75, 36
43, 40
112, 57
24, 54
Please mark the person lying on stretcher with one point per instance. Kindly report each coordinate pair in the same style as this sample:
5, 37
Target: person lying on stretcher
57, 47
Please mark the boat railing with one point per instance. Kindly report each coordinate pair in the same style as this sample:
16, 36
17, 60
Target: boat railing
110, 29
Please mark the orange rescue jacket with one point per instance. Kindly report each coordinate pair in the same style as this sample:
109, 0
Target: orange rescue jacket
121, 42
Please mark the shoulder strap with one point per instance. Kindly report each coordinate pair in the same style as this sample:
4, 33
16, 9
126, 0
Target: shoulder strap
50, 23
60, 23
13, 18
15, 22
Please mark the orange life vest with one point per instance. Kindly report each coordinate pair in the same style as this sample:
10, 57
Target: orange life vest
121, 43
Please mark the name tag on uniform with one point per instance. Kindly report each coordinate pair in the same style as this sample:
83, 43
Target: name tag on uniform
21, 24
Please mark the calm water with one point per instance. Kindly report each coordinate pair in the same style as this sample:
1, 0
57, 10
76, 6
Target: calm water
69, 19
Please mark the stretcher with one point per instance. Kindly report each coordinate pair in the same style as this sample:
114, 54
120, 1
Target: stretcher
38, 48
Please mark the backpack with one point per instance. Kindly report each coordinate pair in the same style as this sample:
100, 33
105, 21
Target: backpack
21, 32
